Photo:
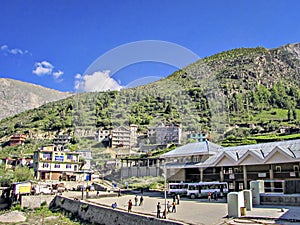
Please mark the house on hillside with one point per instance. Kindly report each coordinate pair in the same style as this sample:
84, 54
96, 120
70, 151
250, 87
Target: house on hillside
273, 162
51, 163
165, 134
17, 139
119, 137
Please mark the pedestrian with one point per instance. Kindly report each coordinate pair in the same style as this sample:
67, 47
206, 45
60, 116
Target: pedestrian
119, 192
141, 200
174, 207
114, 205
169, 207
129, 205
216, 196
158, 207
178, 198
209, 196
136, 200
97, 193
174, 197
164, 216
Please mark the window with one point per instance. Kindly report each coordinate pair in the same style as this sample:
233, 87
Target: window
241, 186
296, 168
278, 169
231, 186
69, 156
56, 166
68, 166
45, 165
230, 170
236, 170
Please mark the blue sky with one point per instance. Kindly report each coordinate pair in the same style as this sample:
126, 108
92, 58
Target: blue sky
51, 42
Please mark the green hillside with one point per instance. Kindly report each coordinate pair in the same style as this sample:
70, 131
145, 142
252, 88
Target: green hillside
239, 96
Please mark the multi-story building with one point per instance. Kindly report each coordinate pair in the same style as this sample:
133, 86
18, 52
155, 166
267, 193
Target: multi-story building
274, 162
50, 163
197, 136
120, 137
165, 134
17, 139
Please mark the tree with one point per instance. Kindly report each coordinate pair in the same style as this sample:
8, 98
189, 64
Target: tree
22, 174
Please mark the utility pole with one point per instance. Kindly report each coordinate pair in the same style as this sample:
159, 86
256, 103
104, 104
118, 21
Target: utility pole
165, 189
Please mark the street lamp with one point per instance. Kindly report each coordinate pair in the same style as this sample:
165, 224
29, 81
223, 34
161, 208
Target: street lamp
165, 189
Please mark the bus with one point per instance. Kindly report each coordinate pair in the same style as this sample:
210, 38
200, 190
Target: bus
201, 189
178, 188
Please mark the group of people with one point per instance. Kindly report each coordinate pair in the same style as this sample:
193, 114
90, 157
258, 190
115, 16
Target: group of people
170, 208
214, 195
136, 201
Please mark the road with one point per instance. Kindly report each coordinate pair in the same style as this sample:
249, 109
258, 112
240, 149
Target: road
200, 211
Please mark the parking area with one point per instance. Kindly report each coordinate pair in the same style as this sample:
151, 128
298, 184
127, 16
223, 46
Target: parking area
196, 211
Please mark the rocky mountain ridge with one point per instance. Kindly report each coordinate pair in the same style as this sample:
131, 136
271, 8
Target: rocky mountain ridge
17, 96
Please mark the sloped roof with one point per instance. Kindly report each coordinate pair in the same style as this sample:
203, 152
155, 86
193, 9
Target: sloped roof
204, 147
260, 153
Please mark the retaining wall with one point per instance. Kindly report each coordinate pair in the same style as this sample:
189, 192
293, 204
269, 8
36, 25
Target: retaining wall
102, 215
273, 199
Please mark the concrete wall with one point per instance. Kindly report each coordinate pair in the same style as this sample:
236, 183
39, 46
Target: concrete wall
96, 214
140, 171
35, 201
277, 199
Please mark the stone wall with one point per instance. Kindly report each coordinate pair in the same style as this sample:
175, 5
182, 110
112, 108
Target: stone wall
96, 214
35, 201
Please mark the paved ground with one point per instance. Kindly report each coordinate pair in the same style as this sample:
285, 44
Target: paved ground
200, 211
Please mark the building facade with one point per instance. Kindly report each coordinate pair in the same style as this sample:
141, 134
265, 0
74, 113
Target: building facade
17, 139
49, 163
273, 162
165, 134
119, 137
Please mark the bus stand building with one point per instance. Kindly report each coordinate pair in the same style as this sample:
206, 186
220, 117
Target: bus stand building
277, 163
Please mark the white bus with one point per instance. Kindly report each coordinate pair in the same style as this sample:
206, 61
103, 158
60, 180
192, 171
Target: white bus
178, 188
201, 189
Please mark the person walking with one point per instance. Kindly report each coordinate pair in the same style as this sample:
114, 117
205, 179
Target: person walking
136, 200
169, 207
141, 200
158, 208
216, 196
174, 207
119, 192
129, 205
178, 198
209, 196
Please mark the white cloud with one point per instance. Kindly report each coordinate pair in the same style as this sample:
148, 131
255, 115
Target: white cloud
4, 47
57, 74
42, 68
98, 81
78, 76
13, 51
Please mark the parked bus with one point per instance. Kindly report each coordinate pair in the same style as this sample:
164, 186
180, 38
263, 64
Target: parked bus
201, 189
178, 188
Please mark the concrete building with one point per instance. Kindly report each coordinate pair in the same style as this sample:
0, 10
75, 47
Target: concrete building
197, 136
273, 162
50, 163
165, 134
120, 137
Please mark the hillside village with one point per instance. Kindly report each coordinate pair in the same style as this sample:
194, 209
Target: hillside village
235, 133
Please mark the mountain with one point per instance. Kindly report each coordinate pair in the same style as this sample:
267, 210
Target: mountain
17, 96
241, 96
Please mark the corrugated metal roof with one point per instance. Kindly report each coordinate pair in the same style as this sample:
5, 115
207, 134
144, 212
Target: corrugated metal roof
193, 149
261, 151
